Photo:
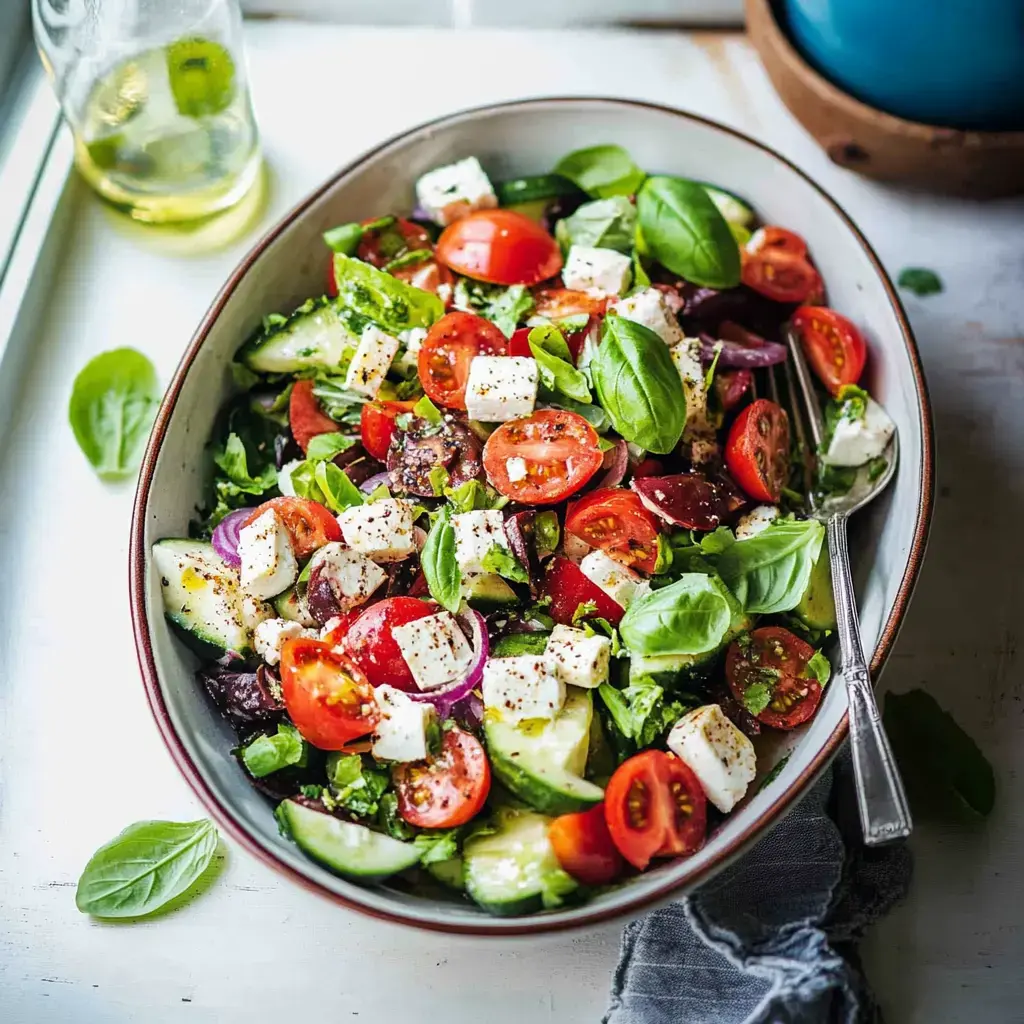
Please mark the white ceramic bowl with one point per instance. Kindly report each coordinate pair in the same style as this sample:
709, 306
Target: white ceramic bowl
287, 266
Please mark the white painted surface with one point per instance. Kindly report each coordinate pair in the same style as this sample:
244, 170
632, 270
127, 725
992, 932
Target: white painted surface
80, 757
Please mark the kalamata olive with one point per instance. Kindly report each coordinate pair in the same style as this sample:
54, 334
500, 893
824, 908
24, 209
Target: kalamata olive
519, 534
424, 446
285, 449
321, 600
689, 500
243, 697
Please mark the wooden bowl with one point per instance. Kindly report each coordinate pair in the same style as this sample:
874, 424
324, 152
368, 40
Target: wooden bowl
880, 145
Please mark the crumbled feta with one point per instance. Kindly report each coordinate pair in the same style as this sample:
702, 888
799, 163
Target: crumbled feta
407, 362
402, 731
475, 534
578, 659
522, 687
382, 530
616, 580
268, 560
501, 388
857, 440
255, 611
686, 357
515, 469
650, 308
371, 361
352, 577
590, 269
435, 649
449, 193
756, 521
269, 637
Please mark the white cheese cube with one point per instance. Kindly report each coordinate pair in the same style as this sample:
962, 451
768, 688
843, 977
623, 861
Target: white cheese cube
449, 193
590, 269
270, 635
650, 308
371, 361
578, 659
407, 362
382, 530
402, 731
522, 688
268, 560
255, 611
858, 440
516, 469
435, 649
352, 577
475, 534
686, 357
618, 581
756, 521
716, 752
501, 388
284, 477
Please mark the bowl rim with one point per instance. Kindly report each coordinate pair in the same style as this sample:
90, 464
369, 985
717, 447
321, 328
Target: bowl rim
586, 915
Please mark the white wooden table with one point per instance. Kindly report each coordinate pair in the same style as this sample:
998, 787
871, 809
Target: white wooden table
80, 757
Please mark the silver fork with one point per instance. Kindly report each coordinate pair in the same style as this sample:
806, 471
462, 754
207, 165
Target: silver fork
881, 800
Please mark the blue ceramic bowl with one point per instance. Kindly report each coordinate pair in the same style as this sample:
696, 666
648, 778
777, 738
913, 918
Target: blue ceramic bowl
957, 63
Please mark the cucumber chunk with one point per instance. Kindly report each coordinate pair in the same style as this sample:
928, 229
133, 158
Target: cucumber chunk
487, 592
315, 336
731, 207
533, 188
291, 605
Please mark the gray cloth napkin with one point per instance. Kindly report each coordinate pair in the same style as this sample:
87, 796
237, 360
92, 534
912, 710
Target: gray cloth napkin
772, 939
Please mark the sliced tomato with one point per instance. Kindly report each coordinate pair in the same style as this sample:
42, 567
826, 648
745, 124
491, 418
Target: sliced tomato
777, 659
326, 694
584, 847
500, 247
398, 238
779, 239
448, 789
615, 520
781, 276
558, 303
561, 451
519, 343
568, 588
833, 345
377, 425
310, 525
305, 416
368, 640
335, 637
447, 351
655, 807
757, 450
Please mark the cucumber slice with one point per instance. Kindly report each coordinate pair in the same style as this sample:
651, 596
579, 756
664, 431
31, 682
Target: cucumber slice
202, 598
542, 762
514, 870
315, 336
351, 850
534, 188
487, 592
731, 207
291, 606
449, 873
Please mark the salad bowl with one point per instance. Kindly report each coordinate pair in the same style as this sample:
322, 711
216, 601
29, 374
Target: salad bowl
287, 266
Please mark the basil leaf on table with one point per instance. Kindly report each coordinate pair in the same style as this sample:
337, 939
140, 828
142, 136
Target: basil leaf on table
685, 232
437, 560
113, 402
368, 292
638, 385
267, 754
920, 280
601, 171
145, 867
554, 365
604, 224
689, 616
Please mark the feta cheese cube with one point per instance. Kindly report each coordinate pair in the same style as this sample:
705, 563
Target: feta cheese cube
578, 659
371, 361
590, 269
475, 534
618, 581
268, 561
686, 357
402, 731
857, 440
435, 649
382, 530
515, 469
756, 521
716, 752
522, 688
501, 388
650, 308
407, 362
352, 577
255, 611
449, 193
270, 635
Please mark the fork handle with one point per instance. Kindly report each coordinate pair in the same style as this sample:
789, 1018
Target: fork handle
884, 814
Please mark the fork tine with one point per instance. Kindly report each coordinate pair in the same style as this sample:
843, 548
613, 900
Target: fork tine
803, 376
807, 456
773, 387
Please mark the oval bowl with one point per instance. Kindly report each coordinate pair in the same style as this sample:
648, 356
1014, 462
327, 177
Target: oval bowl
287, 265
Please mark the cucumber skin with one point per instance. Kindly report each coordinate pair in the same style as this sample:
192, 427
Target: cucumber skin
542, 798
205, 649
507, 908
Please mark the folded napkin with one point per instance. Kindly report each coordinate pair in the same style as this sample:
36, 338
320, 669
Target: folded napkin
772, 939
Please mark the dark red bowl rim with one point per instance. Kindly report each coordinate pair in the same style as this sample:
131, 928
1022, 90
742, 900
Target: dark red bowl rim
539, 924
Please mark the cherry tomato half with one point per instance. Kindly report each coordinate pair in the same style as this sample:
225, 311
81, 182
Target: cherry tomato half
561, 451
655, 807
781, 275
615, 520
447, 351
519, 343
568, 588
558, 303
584, 847
757, 450
309, 524
368, 640
326, 694
448, 789
377, 425
775, 657
779, 239
305, 416
500, 247
833, 345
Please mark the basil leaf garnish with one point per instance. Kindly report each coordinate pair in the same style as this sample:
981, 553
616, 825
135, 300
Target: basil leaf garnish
554, 365
267, 754
605, 224
437, 560
323, 447
338, 490
601, 171
690, 616
370, 293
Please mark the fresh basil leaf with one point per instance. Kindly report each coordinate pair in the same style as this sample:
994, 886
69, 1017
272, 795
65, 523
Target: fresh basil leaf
437, 560
355, 785
267, 754
556, 372
501, 561
757, 697
604, 224
514, 644
689, 616
640, 713
638, 385
504, 307
641, 279
920, 280
340, 493
324, 447
601, 171
113, 402
592, 413
473, 496
820, 668
386, 300
234, 463
718, 540
345, 238
684, 231
426, 410
145, 867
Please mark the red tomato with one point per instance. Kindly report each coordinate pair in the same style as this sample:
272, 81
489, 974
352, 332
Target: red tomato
447, 351
757, 450
519, 343
326, 694
377, 425
777, 658
561, 450
446, 790
833, 345
584, 847
557, 303
305, 416
615, 520
501, 247
568, 588
655, 807
310, 525
343, 623
368, 640
779, 239
781, 275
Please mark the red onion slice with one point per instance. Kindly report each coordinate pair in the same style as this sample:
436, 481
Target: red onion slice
689, 500
225, 535
736, 355
616, 462
370, 484
451, 693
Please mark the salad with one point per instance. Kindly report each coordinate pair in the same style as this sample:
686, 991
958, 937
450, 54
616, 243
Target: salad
507, 559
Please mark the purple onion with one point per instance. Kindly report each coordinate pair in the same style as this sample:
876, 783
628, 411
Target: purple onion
225, 535
616, 462
371, 483
469, 712
736, 355
452, 693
